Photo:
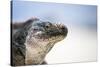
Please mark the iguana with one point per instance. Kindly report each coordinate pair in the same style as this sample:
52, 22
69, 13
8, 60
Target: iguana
33, 39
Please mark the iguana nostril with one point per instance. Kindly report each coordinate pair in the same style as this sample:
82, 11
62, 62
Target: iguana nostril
63, 28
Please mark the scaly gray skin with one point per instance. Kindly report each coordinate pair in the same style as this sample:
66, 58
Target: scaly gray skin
33, 40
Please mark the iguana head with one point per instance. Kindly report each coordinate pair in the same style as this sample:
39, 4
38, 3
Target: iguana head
47, 32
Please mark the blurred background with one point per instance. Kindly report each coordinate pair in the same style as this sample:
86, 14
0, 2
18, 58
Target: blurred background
81, 20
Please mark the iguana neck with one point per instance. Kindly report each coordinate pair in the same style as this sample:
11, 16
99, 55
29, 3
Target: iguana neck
36, 51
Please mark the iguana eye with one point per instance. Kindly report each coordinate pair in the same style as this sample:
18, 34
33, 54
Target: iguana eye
48, 25
35, 29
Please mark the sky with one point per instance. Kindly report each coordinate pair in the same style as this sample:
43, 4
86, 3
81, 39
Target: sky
55, 12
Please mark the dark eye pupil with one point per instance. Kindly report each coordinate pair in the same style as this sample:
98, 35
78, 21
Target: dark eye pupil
35, 29
47, 26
